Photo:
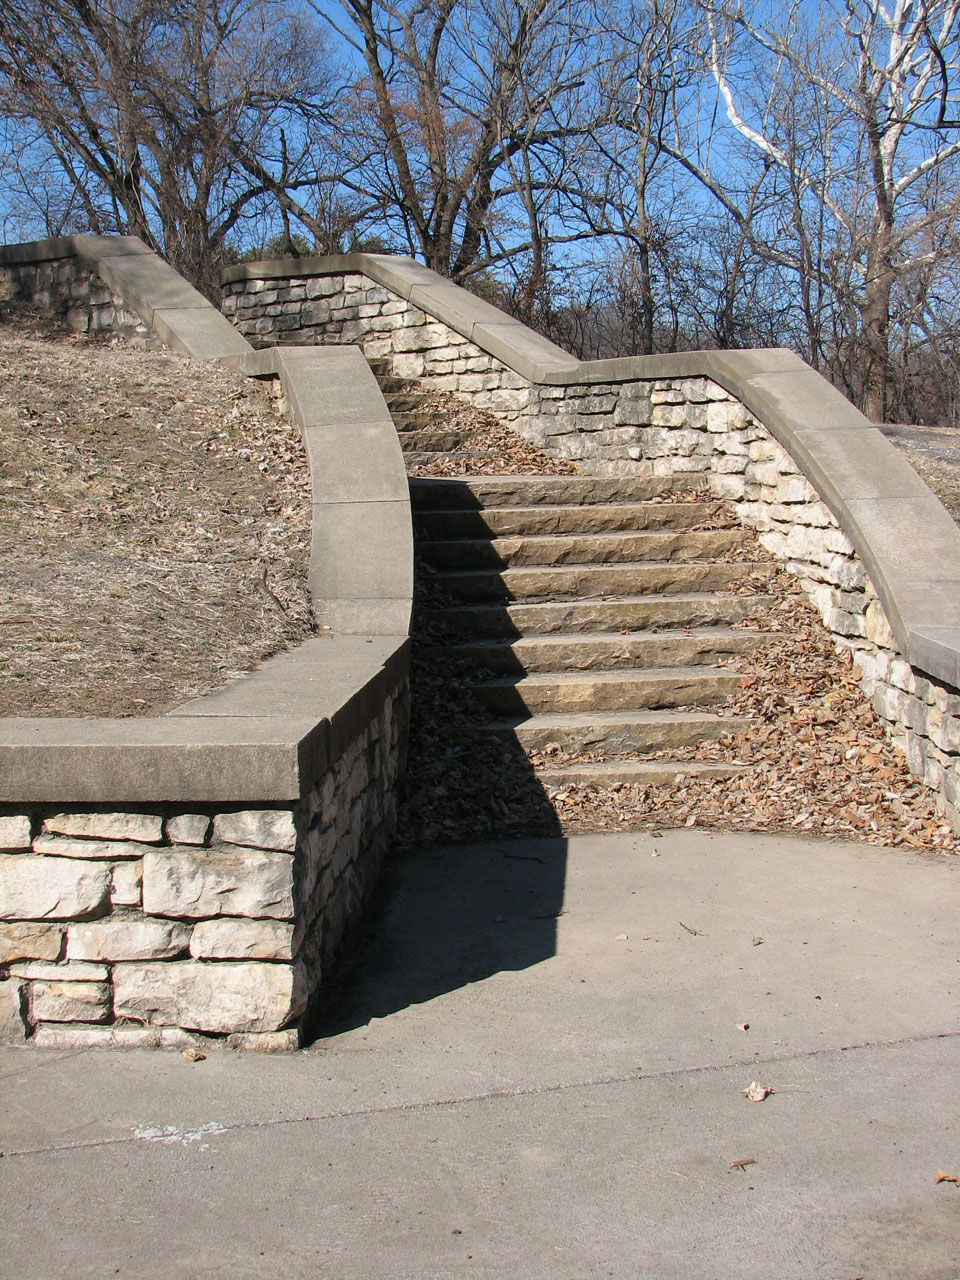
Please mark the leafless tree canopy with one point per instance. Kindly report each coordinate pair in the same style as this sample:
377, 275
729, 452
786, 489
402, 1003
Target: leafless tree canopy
629, 175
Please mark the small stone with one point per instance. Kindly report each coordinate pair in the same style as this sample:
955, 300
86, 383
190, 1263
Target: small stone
201, 996
70, 847
70, 1001
218, 882
13, 1026
146, 827
242, 940
126, 884
188, 828
30, 942
15, 831
266, 1041
127, 940
257, 829
51, 888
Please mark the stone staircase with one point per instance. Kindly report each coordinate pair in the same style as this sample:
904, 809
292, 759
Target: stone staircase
584, 617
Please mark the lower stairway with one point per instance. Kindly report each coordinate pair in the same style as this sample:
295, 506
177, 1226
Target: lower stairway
586, 618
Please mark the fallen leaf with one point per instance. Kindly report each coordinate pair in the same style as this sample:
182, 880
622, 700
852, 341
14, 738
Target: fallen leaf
756, 1091
742, 1164
947, 1177
695, 932
757, 942
743, 1026
193, 1055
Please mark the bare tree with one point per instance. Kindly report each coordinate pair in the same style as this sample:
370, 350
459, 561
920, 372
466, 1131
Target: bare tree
136, 111
850, 118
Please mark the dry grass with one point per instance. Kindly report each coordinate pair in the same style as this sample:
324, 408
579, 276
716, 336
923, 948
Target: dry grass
154, 527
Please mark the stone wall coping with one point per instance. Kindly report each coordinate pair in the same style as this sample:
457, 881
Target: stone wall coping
263, 739
267, 737
907, 541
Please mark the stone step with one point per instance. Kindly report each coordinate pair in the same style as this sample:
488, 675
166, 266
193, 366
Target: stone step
605, 690
600, 651
429, 441
429, 493
645, 773
615, 732
542, 582
660, 545
599, 518
409, 420
430, 458
628, 613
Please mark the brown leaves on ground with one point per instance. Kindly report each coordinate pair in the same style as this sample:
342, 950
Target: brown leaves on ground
488, 447
154, 527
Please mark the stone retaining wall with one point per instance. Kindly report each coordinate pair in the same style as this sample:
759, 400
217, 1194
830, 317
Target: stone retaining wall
146, 927
619, 416
170, 879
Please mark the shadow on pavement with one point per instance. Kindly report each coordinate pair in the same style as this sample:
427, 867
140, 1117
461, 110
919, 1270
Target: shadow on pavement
449, 918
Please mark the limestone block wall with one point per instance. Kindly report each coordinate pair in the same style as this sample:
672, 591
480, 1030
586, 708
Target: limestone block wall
164, 925
72, 290
871, 546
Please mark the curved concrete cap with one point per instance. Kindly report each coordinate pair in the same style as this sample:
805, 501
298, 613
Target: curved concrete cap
265, 738
907, 541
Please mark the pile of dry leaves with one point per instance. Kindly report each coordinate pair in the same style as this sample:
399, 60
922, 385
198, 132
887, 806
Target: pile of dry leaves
154, 527
487, 446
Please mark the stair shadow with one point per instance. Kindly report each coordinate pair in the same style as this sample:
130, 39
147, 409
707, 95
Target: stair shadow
448, 919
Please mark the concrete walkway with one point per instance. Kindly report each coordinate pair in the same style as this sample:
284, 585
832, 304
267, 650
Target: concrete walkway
502, 1091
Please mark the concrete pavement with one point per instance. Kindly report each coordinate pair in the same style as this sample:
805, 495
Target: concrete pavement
500, 1090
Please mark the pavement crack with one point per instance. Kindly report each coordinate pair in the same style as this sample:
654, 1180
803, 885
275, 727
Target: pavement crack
492, 1095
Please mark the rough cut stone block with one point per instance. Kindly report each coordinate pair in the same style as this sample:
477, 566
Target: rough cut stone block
127, 940
15, 831
125, 884
13, 1027
218, 882
70, 1001
242, 940
146, 827
76, 1035
34, 888
202, 996
34, 969
188, 828
257, 829
70, 847
30, 942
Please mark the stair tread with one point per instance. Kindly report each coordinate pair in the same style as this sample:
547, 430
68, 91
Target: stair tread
666, 597
560, 638
646, 675
626, 770
642, 715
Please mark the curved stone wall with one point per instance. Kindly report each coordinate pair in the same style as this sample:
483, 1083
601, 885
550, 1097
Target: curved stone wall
193, 874
831, 496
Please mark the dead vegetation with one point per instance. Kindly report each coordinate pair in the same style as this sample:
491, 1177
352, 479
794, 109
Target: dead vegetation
154, 527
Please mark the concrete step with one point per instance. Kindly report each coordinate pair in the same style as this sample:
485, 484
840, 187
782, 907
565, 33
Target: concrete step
614, 732
600, 651
599, 518
429, 493
605, 690
539, 582
645, 773
430, 457
628, 613
409, 420
416, 441
660, 546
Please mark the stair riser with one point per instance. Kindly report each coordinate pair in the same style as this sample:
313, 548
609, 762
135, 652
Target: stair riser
623, 654
655, 613
561, 549
517, 521
475, 492
578, 582
624, 695
613, 739
429, 441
